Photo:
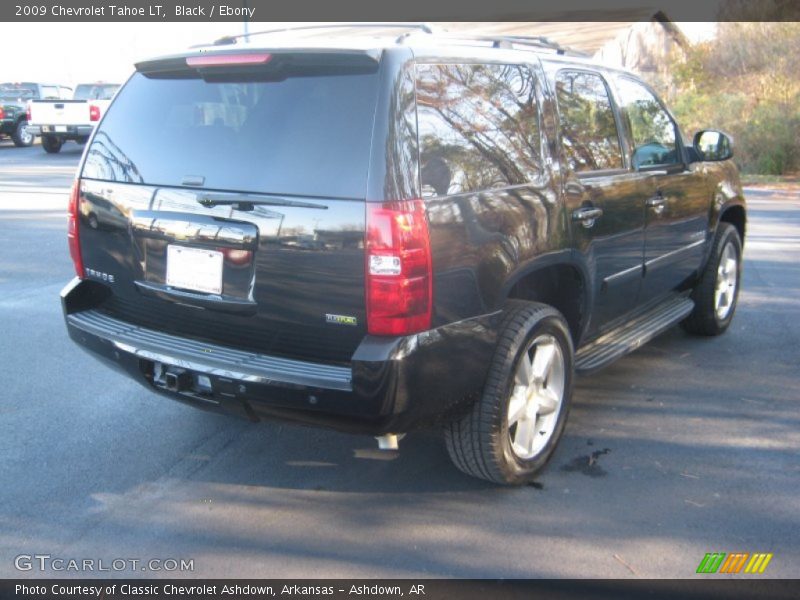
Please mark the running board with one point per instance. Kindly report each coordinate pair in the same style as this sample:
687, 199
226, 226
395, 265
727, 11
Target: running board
632, 333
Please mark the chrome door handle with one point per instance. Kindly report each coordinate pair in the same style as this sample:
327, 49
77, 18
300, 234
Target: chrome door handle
657, 203
587, 215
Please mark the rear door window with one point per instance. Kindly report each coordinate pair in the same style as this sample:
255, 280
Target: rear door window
478, 127
589, 135
303, 134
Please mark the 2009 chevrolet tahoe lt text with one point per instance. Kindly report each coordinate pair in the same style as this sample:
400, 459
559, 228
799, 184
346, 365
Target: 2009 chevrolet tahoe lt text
380, 235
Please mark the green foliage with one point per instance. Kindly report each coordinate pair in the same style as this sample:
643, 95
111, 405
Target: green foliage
745, 82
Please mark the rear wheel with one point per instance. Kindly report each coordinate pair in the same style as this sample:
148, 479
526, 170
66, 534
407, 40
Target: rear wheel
22, 136
51, 144
716, 294
511, 432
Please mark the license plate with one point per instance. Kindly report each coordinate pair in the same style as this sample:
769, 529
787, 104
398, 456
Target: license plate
194, 269
61, 128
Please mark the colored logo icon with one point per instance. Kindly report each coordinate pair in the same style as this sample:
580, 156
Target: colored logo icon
736, 562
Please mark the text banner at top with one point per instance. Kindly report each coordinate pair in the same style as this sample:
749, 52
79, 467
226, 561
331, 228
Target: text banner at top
408, 10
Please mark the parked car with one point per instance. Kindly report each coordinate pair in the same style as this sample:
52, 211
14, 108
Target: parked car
58, 121
513, 214
14, 99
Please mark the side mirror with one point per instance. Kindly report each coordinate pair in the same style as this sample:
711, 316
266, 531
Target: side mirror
712, 145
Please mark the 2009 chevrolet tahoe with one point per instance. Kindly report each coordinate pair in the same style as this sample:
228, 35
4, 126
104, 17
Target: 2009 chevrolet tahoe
379, 235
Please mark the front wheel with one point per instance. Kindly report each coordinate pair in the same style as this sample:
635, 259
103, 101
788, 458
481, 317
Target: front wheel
716, 294
22, 137
51, 144
512, 430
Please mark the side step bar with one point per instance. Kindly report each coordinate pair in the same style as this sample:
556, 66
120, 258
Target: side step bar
632, 333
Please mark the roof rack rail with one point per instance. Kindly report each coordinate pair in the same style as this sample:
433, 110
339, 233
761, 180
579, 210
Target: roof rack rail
231, 39
508, 41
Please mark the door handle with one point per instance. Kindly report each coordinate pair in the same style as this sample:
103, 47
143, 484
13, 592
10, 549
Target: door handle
657, 203
587, 215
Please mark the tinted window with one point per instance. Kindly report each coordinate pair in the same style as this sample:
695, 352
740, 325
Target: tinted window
588, 129
95, 92
652, 129
13, 92
478, 127
307, 135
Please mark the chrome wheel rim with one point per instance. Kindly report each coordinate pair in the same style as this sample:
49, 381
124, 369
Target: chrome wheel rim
727, 274
536, 397
25, 135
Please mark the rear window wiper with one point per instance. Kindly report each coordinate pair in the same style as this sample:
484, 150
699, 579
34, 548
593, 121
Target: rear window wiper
246, 203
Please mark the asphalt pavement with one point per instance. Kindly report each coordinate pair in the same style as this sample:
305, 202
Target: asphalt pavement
690, 445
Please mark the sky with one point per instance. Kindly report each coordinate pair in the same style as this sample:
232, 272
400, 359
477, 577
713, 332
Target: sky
86, 52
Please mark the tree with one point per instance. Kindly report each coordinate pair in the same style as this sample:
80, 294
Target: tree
745, 82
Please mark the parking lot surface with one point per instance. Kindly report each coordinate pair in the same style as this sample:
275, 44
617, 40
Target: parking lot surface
689, 445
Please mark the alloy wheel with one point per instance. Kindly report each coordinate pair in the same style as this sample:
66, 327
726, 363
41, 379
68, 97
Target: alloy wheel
727, 275
536, 396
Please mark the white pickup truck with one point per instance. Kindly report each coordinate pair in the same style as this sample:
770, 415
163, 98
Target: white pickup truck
58, 121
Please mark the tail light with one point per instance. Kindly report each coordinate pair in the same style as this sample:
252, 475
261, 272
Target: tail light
73, 236
94, 112
28, 112
227, 60
398, 268
2, 113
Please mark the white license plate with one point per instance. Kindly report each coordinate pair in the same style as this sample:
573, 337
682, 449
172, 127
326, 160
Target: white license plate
61, 128
194, 269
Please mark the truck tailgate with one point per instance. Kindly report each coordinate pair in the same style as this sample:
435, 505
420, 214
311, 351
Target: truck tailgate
60, 112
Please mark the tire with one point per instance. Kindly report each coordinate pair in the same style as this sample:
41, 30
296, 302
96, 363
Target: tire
712, 314
51, 144
21, 137
81, 140
486, 443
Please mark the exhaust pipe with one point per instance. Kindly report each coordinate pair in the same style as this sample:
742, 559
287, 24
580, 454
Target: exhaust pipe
389, 441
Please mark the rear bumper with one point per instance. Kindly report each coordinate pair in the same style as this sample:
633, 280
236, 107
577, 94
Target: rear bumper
7, 126
70, 131
391, 385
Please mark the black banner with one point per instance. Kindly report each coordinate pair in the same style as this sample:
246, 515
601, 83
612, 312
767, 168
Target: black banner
376, 589
407, 10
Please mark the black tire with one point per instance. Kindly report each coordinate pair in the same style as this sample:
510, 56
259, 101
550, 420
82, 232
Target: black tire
704, 319
479, 443
51, 144
81, 140
20, 137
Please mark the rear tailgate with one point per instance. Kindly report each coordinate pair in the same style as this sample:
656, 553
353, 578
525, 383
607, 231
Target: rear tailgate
228, 205
60, 112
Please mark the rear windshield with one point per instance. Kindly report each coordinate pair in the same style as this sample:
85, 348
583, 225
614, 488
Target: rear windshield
10, 91
95, 92
305, 135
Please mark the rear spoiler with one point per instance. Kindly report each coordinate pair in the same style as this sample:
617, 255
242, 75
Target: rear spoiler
204, 62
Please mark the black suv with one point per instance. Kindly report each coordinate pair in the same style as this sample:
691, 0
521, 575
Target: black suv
380, 235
